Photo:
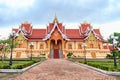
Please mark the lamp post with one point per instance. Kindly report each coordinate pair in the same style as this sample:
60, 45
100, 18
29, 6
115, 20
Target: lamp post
31, 46
12, 35
84, 47
114, 43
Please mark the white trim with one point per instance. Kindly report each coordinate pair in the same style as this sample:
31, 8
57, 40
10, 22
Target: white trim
88, 35
23, 34
96, 35
49, 35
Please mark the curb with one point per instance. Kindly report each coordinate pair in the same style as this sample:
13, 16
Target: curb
18, 70
99, 70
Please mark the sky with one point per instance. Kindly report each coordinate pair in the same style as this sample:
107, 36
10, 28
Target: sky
102, 14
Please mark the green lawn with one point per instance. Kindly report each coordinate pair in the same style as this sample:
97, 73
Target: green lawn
105, 65
17, 64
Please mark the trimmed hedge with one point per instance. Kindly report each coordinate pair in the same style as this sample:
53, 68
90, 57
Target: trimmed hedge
104, 66
5, 67
18, 66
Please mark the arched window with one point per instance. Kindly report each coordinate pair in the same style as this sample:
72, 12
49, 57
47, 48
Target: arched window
19, 45
105, 47
41, 46
99, 46
69, 46
91, 46
79, 46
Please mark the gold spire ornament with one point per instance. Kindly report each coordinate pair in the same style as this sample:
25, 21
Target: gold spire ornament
55, 19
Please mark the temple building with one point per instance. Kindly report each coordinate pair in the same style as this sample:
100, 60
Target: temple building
55, 41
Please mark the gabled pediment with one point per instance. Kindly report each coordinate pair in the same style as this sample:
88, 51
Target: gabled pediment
93, 31
52, 30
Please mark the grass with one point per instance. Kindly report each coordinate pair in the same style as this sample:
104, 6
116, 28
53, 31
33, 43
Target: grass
17, 64
104, 65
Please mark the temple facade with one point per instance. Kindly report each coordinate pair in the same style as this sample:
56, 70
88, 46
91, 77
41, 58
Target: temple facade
55, 41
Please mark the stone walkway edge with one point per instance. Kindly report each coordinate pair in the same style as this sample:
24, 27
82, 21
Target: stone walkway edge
18, 70
99, 70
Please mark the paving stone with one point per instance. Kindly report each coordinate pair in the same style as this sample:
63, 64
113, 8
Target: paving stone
61, 69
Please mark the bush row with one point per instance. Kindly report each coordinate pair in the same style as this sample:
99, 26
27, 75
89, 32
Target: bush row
100, 66
103, 67
18, 66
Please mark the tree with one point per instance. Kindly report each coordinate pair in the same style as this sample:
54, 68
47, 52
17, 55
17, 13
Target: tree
118, 43
118, 40
7, 46
118, 35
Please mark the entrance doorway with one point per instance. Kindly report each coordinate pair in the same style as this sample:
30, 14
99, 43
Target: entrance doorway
56, 49
93, 54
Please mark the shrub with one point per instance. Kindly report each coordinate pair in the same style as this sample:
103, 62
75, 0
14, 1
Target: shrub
109, 56
35, 61
21, 66
18, 64
81, 61
104, 68
5, 67
69, 54
118, 55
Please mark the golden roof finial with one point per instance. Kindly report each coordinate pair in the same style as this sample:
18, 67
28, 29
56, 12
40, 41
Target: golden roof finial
55, 19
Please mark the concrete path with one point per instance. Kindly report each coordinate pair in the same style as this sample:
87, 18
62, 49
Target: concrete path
61, 69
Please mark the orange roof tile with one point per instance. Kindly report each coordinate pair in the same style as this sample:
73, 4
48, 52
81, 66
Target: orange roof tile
27, 26
16, 30
84, 26
97, 32
72, 33
38, 33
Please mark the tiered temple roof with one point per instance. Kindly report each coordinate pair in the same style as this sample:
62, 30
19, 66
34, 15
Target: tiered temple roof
82, 33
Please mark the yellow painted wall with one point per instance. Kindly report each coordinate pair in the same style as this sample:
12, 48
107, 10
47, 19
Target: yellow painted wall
92, 40
22, 42
57, 36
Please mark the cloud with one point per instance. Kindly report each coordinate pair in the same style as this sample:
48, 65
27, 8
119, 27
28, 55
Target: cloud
13, 11
37, 12
4, 32
108, 28
16, 4
43, 11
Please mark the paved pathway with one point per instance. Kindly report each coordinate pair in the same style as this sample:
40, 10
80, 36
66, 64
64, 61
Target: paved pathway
61, 69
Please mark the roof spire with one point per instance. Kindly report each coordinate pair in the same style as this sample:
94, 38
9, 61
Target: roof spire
55, 19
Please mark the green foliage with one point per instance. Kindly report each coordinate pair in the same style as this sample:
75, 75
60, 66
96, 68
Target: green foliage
118, 55
108, 65
69, 54
110, 56
35, 61
80, 61
5, 67
118, 40
18, 64
21, 66
9, 42
8, 45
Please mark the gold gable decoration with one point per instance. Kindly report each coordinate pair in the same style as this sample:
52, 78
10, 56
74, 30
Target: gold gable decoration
55, 19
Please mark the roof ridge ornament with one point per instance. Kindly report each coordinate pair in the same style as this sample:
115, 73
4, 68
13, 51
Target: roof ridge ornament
55, 19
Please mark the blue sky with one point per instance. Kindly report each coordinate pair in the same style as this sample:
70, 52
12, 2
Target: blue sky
99, 13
